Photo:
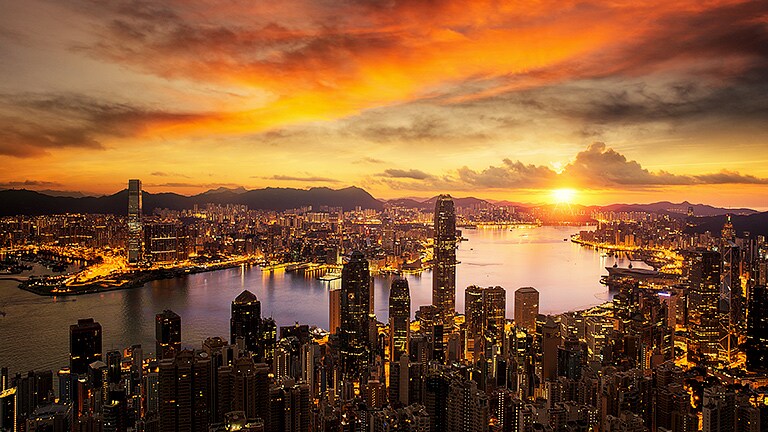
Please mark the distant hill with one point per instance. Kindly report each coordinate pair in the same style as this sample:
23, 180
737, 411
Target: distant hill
21, 201
678, 209
755, 224
429, 204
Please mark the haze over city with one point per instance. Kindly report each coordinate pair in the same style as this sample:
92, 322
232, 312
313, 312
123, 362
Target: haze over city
616, 102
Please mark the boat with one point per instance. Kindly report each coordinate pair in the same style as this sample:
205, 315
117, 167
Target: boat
330, 276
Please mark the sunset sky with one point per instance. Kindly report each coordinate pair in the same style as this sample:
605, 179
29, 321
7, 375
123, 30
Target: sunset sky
621, 101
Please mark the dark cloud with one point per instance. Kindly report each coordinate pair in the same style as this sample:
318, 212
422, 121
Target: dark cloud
598, 166
512, 174
406, 174
31, 124
730, 177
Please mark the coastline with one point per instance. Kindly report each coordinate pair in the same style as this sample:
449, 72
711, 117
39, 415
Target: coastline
135, 280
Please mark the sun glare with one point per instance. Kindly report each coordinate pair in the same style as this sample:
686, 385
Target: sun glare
563, 196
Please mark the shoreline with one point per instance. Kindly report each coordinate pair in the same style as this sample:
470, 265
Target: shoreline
135, 280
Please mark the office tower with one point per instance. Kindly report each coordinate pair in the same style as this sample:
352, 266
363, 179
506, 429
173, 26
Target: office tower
114, 366
467, 407
355, 308
473, 310
757, 329
135, 231
334, 310
444, 268
569, 359
718, 410
550, 340
399, 318
268, 340
9, 404
526, 308
167, 334
702, 270
290, 407
183, 390
65, 385
244, 386
494, 310
245, 321
436, 389
84, 345
165, 241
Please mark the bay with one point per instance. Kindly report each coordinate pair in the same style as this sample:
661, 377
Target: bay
34, 334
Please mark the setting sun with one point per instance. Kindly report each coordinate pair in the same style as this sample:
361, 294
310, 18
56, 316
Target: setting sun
563, 196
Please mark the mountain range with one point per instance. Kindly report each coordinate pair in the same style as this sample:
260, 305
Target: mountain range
22, 201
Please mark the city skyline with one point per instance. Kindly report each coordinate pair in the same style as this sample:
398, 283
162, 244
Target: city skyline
593, 103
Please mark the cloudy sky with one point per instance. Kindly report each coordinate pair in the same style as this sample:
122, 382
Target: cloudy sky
622, 101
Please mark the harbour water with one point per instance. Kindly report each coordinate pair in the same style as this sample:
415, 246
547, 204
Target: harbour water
34, 334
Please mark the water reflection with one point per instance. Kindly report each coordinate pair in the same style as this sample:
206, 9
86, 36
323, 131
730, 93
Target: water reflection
34, 334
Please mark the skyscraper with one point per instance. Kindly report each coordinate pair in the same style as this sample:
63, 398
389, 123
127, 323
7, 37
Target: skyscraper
526, 308
757, 329
334, 310
167, 334
245, 321
444, 270
84, 345
702, 269
355, 308
473, 310
135, 231
184, 387
494, 319
399, 318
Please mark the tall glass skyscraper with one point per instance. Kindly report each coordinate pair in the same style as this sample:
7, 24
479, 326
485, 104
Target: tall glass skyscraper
399, 318
167, 334
355, 320
84, 345
444, 270
245, 321
135, 231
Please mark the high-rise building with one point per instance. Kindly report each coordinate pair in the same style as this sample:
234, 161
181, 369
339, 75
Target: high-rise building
184, 392
355, 310
290, 407
494, 319
570, 359
444, 268
245, 321
135, 231
167, 334
718, 410
473, 310
757, 329
165, 241
334, 310
399, 318
84, 345
244, 386
526, 308
484, 310
702, 271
